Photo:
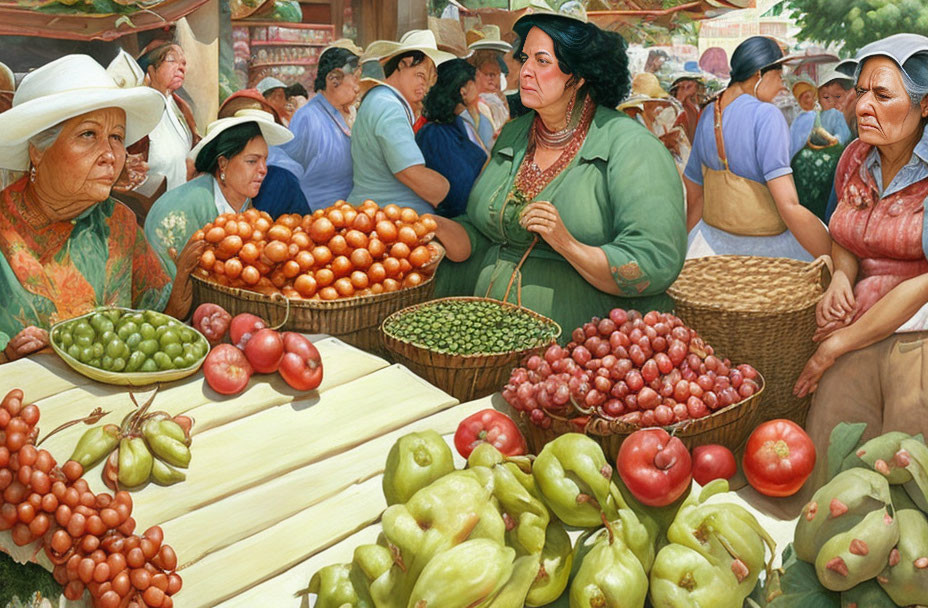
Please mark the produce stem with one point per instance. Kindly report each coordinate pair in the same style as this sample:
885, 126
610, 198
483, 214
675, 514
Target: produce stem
91, 418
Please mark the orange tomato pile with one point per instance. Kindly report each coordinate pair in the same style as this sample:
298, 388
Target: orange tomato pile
337, 252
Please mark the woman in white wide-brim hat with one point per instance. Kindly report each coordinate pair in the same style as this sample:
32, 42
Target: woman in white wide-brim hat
65, 246
233, 161
388, 166
486, 52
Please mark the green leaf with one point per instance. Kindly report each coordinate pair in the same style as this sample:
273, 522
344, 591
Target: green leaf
801, 587
868, 593
843, 441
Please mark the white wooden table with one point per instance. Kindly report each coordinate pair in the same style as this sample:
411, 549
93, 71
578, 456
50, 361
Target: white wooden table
253, 536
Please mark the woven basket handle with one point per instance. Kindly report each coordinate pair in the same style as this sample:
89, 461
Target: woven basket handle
816, 270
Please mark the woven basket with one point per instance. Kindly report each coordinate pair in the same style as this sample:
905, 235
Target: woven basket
355, 320
760, 311
729, 426
465, 377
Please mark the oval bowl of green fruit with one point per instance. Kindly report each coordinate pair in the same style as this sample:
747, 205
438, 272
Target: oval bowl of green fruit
129, 347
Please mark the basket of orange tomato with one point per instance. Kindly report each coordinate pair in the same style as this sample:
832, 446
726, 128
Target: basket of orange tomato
339, 271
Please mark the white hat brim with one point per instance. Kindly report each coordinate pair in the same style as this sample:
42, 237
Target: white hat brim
144, 108
437, 57
490, 45
273, 133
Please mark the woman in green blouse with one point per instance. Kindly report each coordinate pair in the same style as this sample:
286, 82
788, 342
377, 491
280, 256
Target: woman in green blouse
589, 196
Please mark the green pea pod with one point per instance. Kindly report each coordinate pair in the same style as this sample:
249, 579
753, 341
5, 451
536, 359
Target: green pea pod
684, 578
334, 588
851, 557
885, 455
415, 461
95, 445
452, 509
905, 577
170, 450
164, 426
575, 480
555, 567
610, 576
837, 507
867, 594
468, 575
164, 474
726, 534
135, 462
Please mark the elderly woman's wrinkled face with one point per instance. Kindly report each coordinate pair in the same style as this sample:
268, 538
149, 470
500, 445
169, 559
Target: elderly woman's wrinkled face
541, 81
885, 114
245, 171
170, 75
342, 87
84, 162
488, 77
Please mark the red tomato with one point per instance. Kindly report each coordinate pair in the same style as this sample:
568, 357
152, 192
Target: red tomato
778, 458
489, 426
713, 462
264, 350
655, 467
227, 370
212, 321
243, 327
301, 366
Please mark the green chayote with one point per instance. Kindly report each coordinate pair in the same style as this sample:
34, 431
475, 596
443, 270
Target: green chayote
576, 481
415, 461
468, 575
610, 575
858, 554
554, 571
334, 588
684, 578
905, 577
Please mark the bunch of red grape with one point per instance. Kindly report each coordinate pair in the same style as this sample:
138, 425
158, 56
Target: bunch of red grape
89, 537
646, 370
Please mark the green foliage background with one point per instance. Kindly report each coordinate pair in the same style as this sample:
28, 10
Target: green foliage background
851, 24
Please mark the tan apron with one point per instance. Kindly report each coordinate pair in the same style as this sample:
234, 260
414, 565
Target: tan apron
736, 204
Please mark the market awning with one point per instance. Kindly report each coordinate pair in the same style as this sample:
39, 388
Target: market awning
76, 22
610, 14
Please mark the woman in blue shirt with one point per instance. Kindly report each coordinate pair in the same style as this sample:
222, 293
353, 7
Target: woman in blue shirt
320, 152
449, 143
740, 193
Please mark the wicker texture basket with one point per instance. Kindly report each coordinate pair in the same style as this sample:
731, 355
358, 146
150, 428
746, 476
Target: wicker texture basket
355, 320
465, 377
729, 426
760, 311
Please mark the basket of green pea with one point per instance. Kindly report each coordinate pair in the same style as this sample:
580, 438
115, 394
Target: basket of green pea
466, 346
129, 347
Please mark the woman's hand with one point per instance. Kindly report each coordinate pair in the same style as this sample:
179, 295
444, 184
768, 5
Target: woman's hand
823, 358
838, 305
26, 342
182, 292
543, 219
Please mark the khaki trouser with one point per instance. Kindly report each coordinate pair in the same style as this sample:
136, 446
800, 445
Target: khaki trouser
884, 385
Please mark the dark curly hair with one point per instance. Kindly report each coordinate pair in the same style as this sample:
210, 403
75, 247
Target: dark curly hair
445, 94
583, 51
333, 59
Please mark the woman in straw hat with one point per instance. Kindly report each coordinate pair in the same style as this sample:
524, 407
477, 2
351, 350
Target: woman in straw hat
320, 153
387, 164
233, 161
586, 196
66, 246
739, 189
487, 50
872, 358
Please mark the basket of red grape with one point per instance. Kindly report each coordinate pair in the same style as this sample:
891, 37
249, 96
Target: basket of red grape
629, 371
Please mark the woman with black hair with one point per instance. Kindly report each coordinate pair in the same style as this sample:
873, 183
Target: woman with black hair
580, 208
449, 143
320, 152
233, 161
740, 194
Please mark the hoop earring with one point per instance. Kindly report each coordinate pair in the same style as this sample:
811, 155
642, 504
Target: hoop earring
32, 174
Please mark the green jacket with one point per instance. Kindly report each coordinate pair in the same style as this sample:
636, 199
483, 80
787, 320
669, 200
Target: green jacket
621, 192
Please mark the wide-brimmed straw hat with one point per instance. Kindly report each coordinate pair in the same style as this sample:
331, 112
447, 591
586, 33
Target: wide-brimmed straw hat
801, 85
647, 84
413, 40
7, 80
831, 75
273, 133
568, 10
67, 87
345, 43
486, 38
246, 99
125, 71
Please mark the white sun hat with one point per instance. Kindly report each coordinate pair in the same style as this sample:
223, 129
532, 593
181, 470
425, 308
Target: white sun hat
487, 38
273, 133
65, 88
414, 40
